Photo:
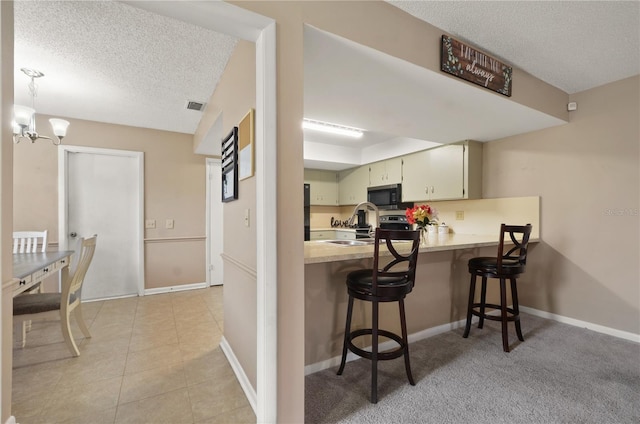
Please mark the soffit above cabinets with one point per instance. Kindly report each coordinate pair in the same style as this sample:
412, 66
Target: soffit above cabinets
401, 106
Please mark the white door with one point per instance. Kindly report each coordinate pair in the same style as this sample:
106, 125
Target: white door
102, 195
214, 222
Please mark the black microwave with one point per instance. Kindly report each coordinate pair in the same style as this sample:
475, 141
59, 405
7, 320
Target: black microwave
387, 196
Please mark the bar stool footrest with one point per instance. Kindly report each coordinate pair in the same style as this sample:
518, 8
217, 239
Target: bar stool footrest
382, 356
511, 313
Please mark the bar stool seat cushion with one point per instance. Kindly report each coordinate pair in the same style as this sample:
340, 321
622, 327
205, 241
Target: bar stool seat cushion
361, 281
489, 265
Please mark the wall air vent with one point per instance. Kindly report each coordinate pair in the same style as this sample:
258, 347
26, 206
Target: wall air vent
191, 105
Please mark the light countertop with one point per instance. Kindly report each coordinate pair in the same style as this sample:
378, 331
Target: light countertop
334, 229
321, 251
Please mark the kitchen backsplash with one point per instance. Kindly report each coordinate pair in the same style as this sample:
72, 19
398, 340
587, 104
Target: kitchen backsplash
321, 215
481, 216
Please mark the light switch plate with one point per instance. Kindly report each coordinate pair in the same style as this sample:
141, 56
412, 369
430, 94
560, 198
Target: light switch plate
150, 224
168, 224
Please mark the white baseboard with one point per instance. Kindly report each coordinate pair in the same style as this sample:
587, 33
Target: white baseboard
170, 289
434, 331
158, 290
583, 324
414, 337
11, 420
248, 389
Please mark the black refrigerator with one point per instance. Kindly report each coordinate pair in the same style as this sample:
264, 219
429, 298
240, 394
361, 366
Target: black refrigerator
307, 213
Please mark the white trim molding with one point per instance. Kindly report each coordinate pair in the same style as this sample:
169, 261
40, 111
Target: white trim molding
584, 324
63, 211
248, 389
171, 289
434, 331
390, 344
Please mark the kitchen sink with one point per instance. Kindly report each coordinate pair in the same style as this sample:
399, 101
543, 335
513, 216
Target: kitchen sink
358, 242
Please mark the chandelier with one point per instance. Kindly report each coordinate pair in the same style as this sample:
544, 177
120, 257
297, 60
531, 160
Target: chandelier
24, 125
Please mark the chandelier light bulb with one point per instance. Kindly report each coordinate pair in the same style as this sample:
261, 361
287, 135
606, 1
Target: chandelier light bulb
59, 127
23, 115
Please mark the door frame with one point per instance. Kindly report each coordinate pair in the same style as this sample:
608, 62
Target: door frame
212, 165
63, 198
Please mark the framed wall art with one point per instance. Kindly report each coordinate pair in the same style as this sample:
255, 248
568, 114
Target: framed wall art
230, 166
246, 146
459, 59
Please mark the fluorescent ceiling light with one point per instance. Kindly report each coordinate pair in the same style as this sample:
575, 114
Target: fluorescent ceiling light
331, 128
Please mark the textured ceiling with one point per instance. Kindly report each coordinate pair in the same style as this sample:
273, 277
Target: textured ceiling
572, 45
110, 62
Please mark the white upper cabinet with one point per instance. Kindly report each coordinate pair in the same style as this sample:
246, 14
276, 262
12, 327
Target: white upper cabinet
352, 185
323, 187
452, 171
415, 172
446, 167
385, 172
449, 172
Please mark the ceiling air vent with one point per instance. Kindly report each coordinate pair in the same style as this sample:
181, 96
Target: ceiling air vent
191, 105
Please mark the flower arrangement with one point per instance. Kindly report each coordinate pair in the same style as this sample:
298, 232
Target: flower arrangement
421, 215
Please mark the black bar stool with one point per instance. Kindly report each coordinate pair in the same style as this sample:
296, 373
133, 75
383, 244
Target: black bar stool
389, 284
505, 266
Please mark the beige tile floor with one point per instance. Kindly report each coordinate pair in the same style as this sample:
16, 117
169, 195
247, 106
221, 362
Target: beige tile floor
153, 359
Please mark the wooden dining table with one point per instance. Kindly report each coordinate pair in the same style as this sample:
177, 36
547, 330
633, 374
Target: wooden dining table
29, 269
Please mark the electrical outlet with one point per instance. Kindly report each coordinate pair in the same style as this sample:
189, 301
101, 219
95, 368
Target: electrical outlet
459, 215
246, 217
150, 224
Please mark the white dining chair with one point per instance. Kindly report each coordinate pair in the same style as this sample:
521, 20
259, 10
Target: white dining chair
43, 306
29, 241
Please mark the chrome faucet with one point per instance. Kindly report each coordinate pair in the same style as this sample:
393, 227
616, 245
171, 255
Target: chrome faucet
366, 206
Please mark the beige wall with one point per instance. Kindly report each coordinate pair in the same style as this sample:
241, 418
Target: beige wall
6, 188
234, 95
174, 188
587, 175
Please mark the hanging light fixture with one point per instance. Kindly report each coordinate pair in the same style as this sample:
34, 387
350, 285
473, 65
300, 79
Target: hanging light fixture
24, 124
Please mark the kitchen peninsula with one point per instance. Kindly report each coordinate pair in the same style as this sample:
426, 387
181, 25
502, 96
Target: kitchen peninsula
438, 301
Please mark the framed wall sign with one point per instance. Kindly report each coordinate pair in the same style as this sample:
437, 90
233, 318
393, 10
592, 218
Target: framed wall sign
230, 166
464, 61
245, 146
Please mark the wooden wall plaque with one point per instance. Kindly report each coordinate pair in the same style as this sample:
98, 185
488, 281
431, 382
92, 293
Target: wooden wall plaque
464, 61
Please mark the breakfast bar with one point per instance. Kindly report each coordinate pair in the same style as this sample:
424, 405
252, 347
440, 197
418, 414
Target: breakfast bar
326, 251
438, 302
